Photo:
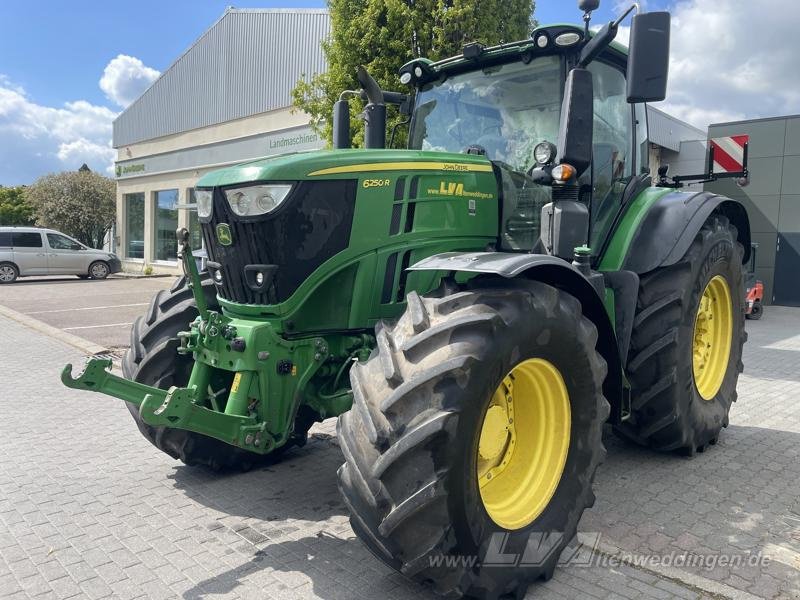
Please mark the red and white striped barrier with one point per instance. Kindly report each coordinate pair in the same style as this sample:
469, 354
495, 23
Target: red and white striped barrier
729, 153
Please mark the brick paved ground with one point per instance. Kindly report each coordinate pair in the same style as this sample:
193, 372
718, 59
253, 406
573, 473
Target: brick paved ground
89, 509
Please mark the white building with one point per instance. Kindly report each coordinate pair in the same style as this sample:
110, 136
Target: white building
226, 100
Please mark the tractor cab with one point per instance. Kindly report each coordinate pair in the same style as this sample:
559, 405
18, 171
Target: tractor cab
565, 96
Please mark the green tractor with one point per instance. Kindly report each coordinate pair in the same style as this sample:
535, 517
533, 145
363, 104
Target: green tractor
473, 308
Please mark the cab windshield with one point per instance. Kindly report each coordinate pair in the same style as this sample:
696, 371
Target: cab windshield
505, 110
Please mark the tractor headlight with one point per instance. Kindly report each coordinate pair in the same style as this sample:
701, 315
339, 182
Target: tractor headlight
256, 199
205, 203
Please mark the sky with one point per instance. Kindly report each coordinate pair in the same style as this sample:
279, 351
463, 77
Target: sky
67, 69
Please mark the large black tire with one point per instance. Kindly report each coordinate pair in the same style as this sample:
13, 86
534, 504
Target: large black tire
153, 359
667, 411
410, 440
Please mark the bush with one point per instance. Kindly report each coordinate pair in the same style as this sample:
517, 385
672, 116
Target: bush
14, 208
79, 203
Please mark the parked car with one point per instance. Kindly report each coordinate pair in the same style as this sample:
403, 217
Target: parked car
28, 251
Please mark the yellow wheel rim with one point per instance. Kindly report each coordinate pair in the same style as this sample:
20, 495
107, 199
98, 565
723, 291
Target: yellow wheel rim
524, 443
713, 332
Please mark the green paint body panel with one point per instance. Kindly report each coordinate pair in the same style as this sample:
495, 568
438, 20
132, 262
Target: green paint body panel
298, 166
614, 256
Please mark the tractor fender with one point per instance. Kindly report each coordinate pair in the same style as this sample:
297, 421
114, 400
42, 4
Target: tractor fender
552, 271
672, 223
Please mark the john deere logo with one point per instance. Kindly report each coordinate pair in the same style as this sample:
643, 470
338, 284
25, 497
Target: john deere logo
224, 236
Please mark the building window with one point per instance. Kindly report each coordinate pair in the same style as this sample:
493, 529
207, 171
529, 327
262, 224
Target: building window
134, 225
195, 233
166, 224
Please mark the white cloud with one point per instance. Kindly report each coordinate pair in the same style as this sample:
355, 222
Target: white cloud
125, 78
733, 60
83, 151
620, 6
623, 33
36, 139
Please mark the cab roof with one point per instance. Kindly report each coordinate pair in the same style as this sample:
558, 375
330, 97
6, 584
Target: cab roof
524, 50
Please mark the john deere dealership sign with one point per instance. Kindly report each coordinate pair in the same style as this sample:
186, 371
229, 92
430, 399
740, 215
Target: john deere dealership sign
221, 153
129, 169
294, 141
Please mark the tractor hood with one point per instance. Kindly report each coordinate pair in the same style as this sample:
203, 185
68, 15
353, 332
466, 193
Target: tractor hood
341, 164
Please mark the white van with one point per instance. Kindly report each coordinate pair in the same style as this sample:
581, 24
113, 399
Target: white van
35, 251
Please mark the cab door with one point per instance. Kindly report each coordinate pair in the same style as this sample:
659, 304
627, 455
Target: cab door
30, 254
65, 256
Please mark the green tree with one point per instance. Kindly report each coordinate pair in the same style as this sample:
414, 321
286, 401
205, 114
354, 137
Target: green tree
382, 35
14, 209
79, 203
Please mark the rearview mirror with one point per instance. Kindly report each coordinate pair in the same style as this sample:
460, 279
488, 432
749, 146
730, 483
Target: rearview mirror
577, 119
648, 57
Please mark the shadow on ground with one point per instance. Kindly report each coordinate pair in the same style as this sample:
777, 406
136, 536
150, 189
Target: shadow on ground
334, 566
738, 498
287, 487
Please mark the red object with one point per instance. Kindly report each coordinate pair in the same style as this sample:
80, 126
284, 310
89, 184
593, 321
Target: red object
729, 153
754, 301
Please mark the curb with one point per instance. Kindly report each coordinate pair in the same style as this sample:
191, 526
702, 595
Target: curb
123, 275
81, 344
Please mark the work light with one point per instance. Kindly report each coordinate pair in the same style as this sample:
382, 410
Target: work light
544, 153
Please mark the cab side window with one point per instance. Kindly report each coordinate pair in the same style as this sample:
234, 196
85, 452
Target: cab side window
61, 242
613, 152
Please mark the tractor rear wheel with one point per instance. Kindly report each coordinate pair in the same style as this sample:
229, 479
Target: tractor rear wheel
153, 359
686, 349
475, 435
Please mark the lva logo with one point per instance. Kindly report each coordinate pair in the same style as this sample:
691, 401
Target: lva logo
451, 188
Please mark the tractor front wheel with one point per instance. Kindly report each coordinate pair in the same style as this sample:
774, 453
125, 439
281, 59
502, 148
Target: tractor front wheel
686, 349
153, 359
475, 435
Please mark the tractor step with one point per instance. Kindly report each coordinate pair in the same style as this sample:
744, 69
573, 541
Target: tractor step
176, 407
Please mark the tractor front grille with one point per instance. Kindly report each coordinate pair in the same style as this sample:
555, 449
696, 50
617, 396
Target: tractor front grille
311, 226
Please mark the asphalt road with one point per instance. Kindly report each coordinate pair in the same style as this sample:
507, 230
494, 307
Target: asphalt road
99, 311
